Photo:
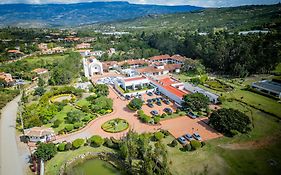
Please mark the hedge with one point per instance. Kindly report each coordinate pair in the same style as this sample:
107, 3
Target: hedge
61, 146
96, 140
69, 127
77, 143
158, 135
195, 144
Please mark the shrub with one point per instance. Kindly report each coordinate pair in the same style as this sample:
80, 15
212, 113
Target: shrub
77, 143
136, 104
156, 119
165, 132
61, 132
68, 146
77, 125
187, 147
195, 144
69, 127
145, 118
57, 123
158, 136
203, 144
163, 115
174, 143
108, 143
86, 119
96, 140
61, 146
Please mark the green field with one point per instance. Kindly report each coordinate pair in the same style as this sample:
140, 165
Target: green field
259, 101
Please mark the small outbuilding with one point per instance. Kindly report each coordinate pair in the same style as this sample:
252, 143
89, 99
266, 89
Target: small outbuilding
40, 134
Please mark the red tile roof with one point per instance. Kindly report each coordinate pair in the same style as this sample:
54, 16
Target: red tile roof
159, 57
175, 91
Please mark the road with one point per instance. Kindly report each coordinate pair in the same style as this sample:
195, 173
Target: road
10, 160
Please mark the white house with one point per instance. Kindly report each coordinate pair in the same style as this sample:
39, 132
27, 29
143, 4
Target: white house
134, 82
92, 66
195, 89
40, 134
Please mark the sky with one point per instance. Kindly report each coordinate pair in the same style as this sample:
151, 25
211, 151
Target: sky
201, 3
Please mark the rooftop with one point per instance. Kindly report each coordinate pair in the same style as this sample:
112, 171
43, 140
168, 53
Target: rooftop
134, 79
274, 86
39, 131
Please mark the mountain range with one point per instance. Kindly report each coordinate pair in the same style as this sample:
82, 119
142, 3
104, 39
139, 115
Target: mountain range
65, 15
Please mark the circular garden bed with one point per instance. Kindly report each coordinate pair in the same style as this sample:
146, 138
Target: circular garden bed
115, 125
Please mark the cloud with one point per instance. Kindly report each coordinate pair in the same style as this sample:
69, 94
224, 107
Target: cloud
202, 3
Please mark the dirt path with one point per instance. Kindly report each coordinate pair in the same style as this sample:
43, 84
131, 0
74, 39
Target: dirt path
12, 159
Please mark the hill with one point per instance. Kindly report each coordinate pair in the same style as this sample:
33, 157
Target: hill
61, 15
232, 19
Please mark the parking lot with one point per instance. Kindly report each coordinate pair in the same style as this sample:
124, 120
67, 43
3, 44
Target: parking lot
185, 125
159, 109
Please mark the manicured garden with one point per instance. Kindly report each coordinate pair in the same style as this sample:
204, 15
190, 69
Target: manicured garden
115, 125
65, 110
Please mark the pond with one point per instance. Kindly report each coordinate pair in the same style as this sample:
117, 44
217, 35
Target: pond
94, 167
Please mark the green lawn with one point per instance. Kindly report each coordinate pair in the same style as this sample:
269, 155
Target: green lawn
44, 58
52, 167
218, 160
257, 100
83, 102
61, 115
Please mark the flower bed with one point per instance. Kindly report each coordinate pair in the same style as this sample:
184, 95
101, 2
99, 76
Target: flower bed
115, 125
62, 97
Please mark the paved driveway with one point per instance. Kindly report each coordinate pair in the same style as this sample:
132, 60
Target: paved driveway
177, 126
120, 110
10, 158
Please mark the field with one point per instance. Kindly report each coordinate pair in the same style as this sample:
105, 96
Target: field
243, 154
258, 101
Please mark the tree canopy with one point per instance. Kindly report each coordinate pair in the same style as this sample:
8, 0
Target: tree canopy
196, 101
229, 121
45, 151
136, 103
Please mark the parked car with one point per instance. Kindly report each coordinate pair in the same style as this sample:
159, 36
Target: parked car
197, 136
182, 140
159, 103
150, 105
168, 110
127, 97
166, 101
192, 115
149, 101
188, 137
154, 99
157, 93
154, 112
149, 93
